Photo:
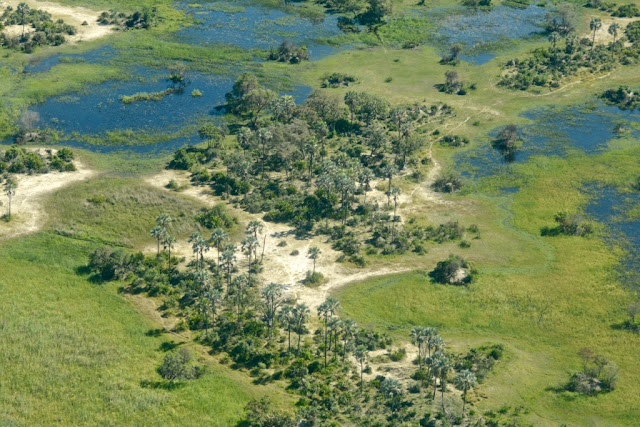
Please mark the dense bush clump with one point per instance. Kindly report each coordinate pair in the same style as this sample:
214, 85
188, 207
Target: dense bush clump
623, 97
288, 52
45, 30
20, 160
453, 271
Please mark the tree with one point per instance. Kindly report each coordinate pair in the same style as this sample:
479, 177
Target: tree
553, 38
361, 356
164, 220
594, 26
313, 253
213, 297
388, 171
199, 246
24, 11
240, 285
418, 337
178, 75
633, 311
168, 242
465, 380
218, 237
272, 299
613, 30
228, 261
439, 363
250, 245
349, 330
287, 316
300, 313
159, 233
176, 366
10, 187
326, 310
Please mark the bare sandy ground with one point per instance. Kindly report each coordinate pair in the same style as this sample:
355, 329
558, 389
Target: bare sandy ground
603, 36
71, 15
28, 214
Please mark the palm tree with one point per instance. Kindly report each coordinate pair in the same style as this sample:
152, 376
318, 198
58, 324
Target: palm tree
553, 38
228, 261
23, 10
199, 246
164, 220
287, 316
255, 227
272, 299
594, 26
361, 357
218, 237
250, 245
240, 284
464, 381
301, 313
613, 30
418, 337
168, 242
349, 330
430, 336
326, 310
10, 186
388, 171
335, 324
159, 233
439, 362
313, 253
213, 298
395, 194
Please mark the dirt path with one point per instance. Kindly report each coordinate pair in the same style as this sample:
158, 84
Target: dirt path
70, 15
28, 215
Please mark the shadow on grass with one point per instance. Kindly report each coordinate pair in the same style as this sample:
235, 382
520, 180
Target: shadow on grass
626, 325
161, 385
155, 332
169, 345
563, 393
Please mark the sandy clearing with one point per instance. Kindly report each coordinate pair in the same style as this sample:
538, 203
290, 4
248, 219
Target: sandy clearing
71, 15
603, 36
28, 215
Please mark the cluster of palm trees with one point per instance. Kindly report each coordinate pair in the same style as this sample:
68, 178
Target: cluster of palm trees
432, 356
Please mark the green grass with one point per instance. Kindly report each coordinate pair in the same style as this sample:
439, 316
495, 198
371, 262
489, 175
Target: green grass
78, 353
125, 213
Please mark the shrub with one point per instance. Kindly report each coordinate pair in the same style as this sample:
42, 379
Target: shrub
448, 182
177, 366
453, 271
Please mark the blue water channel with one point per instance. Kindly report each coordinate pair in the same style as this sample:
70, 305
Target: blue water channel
254, 27
612, 207
479, 30
554, 132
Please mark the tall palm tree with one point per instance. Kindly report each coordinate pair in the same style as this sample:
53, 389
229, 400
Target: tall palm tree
349, 330
199, 246
218, 237
361, 357
430, 336
287, 316
326, 310
465, 380
613, 30
594, 26
301, 314
159, 233
553, 38
388, 171
10, 186
418, 337
23, 10
168, 242
439, 362
313, 253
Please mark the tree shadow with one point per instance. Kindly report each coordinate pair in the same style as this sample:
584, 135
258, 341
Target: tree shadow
155, 332
550, 231
161, 385
169, 345
562, 392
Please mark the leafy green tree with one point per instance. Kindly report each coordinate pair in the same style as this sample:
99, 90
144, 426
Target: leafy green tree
465, 380
177, 366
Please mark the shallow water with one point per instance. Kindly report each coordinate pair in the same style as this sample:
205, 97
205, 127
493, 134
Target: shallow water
610, 206
257, 27
96, 56
554, 132
99, 110
478, 31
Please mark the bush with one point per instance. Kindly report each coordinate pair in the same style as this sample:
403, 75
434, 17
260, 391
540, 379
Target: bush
448, 182
452, 271
177, 366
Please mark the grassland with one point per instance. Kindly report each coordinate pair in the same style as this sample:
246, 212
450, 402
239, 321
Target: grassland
76, 352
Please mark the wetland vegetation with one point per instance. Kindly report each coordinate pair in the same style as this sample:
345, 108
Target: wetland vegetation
314, 213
